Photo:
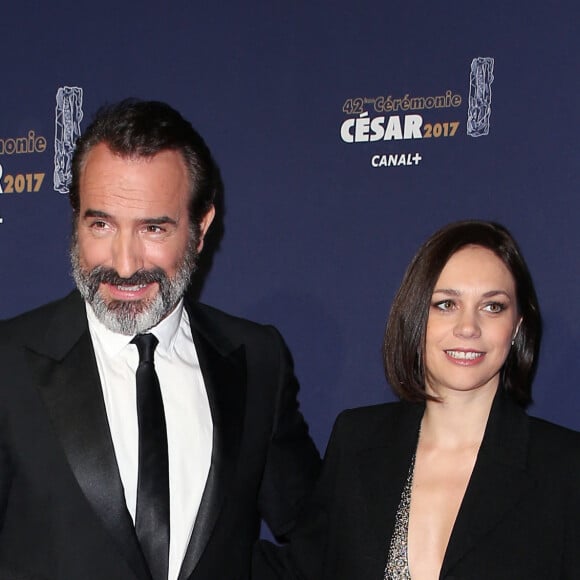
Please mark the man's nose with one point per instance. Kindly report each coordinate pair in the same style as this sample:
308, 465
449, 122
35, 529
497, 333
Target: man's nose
127, 254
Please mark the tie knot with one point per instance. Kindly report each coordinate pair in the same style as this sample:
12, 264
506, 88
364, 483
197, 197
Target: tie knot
145, 344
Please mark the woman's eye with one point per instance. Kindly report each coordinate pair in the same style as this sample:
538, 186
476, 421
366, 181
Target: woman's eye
444, 305
494, 307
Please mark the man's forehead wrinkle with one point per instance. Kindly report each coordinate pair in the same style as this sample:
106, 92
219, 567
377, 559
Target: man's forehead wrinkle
125, 195
144, 211
129, 197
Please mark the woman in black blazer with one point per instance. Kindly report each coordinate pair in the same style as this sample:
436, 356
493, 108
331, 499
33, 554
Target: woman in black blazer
455, 481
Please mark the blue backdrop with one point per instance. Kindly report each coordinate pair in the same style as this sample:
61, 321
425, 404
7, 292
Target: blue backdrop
342, 133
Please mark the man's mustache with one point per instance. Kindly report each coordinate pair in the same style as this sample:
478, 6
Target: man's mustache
104, 275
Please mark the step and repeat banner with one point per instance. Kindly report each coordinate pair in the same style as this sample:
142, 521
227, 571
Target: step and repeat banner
346, 132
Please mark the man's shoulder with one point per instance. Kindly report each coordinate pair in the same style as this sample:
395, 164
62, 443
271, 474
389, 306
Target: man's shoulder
214, 320
216, 314
39, 318
228, 332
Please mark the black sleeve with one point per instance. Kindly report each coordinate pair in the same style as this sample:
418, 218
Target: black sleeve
571, 559
293, 462
306, 556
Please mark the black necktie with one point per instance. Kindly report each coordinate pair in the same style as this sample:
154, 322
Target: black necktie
152, 515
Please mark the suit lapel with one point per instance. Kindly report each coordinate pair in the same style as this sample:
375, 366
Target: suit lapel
224, 372
63, 366
383, 470
498, 481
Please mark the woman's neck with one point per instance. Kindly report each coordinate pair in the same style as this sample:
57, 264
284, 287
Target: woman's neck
458, 421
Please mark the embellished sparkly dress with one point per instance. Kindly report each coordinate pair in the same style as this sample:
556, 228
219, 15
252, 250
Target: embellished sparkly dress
397, 567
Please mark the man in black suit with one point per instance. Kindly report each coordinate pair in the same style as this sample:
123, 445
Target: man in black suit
116, 464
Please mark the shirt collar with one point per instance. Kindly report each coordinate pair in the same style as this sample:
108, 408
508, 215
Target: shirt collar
112, 342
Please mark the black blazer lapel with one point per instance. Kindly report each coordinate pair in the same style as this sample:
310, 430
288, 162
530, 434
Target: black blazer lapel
224, 373
382, 471
63, 366
498, 481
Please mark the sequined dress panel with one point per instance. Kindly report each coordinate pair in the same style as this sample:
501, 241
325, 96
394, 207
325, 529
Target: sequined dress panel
397, 567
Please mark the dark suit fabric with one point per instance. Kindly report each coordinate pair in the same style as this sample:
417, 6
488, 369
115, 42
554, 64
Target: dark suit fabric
62, 508
519, 519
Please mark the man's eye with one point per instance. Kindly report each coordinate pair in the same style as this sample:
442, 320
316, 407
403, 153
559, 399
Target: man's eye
99, 225
153, 229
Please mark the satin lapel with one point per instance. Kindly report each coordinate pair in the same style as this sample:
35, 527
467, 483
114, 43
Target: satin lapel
382, 471
224, 375
64, 368
498, 481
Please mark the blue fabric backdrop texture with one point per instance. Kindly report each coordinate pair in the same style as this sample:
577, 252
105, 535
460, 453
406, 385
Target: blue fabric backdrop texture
347, 132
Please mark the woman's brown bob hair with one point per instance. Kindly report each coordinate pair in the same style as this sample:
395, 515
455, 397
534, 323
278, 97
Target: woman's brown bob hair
404, 343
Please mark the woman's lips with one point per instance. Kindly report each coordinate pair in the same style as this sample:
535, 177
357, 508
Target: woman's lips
465, 357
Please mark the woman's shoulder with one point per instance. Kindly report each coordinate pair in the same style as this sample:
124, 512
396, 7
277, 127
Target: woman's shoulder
553, 437
554, 451
362, 424
372, 412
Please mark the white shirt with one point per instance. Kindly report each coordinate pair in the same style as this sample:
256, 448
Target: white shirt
187, 415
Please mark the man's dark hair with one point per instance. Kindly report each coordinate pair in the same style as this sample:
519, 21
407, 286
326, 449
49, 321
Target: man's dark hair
135, 128
404, 342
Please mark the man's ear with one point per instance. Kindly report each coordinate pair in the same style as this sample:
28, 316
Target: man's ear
204, 226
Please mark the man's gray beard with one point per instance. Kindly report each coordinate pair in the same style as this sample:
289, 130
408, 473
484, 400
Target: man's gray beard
132, 317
